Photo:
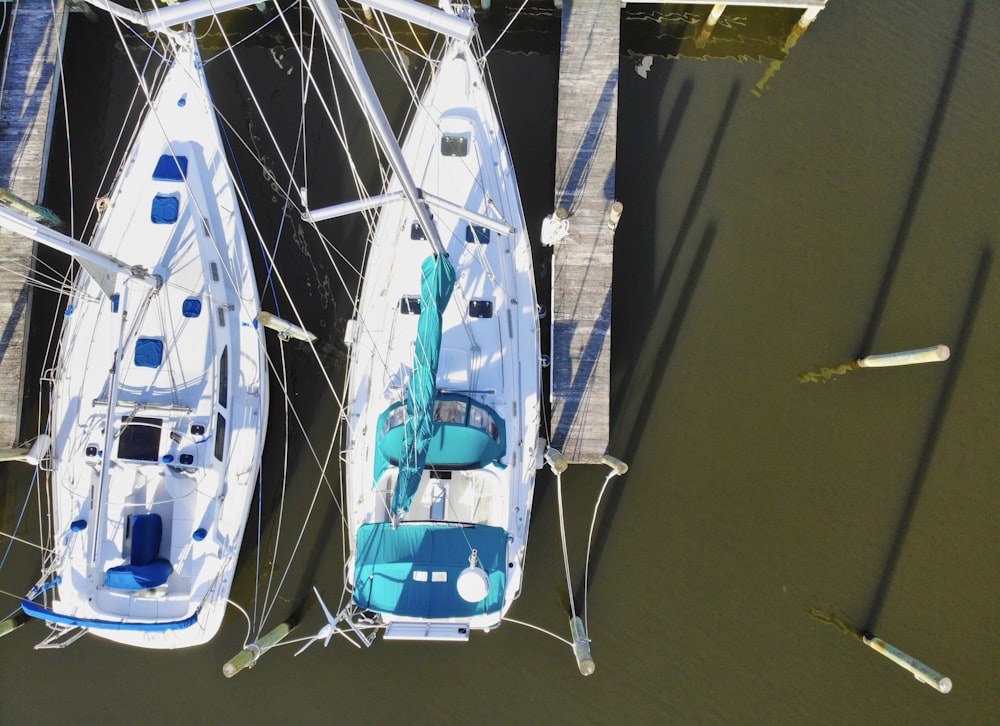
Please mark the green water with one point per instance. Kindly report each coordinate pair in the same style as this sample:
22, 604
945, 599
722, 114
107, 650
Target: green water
847, 210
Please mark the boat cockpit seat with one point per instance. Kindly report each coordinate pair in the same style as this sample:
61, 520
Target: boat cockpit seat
146, 569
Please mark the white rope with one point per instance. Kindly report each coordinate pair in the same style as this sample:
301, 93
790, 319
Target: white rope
244, 613
539, 629
565, 549
590, 537
21, 540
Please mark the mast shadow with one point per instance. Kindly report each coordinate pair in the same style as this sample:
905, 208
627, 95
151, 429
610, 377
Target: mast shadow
661, 363
930, 442
690, 214
660, 360
919, 179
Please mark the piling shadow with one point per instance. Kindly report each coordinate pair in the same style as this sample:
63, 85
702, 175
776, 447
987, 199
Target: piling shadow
927, 450
923, 166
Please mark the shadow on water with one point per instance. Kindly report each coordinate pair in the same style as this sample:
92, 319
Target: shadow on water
660, 363
640, 199
694, 206
923, 166
927, 450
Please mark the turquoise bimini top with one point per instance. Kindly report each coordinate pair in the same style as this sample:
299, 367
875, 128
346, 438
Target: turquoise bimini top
413, 570
465, 435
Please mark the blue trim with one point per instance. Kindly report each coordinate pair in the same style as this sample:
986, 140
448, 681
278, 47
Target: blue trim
35, 610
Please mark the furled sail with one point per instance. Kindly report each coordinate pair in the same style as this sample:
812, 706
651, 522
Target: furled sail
436, 285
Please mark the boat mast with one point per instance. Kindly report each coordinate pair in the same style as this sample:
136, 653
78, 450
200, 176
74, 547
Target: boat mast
336, 33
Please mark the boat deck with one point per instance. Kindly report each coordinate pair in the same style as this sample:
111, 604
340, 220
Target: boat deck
26, 109
582, 261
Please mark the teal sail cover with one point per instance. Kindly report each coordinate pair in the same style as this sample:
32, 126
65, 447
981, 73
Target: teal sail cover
436, 285
412, 570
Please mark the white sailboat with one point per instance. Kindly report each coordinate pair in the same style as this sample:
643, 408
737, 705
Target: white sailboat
159, 395
443, 399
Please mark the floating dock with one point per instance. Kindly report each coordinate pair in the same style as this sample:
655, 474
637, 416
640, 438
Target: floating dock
586, 137
27, 104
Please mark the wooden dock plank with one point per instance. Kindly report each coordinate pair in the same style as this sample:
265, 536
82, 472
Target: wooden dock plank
26, 113
582, 261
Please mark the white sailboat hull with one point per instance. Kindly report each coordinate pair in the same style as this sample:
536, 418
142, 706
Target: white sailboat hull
159, 397
489, 362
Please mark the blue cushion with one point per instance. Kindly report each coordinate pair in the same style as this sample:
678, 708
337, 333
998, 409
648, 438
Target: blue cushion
170, 168
146, 569
164, 209
191, 307
138, 577
147, 530
148, 352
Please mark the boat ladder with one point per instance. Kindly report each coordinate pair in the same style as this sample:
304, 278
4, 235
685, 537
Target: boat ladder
61, 635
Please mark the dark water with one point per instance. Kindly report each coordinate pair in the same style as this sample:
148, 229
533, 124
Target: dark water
847, 209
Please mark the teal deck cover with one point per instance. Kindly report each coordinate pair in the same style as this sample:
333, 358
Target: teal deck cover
437, 282
387, 559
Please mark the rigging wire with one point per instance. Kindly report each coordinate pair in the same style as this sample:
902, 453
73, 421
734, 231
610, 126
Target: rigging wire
269, 256
322, 464
49, 283
20, 518
69, 143
503, 32
252, 33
